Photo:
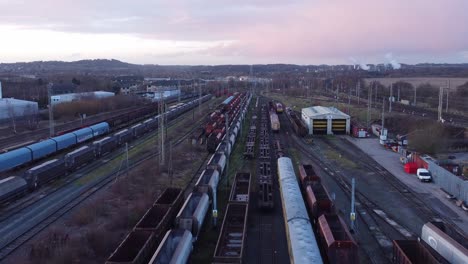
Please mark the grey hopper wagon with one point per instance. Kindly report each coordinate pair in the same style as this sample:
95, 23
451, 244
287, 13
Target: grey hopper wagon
208, 181
193, 212
175, 248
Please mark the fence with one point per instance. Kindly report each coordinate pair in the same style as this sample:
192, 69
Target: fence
449, 181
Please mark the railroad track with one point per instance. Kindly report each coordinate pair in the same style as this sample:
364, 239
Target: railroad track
364, 206
10, 243
367, 162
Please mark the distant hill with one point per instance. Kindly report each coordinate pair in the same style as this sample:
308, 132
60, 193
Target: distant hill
115, 67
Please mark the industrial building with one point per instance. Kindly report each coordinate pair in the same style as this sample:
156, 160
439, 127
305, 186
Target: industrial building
326, 120
70, 97
14, 108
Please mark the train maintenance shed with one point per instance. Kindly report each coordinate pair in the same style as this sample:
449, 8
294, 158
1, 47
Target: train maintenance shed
326, 120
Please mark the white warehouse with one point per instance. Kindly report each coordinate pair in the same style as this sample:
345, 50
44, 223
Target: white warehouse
326, 120
70, 97
14, 108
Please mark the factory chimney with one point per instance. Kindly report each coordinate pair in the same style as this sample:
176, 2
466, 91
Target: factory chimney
0, 90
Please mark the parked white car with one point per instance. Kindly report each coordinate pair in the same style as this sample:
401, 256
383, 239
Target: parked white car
424, 175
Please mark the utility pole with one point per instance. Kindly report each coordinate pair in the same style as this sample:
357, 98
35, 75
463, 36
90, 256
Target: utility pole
448, 90
376, 93
170, 169
51, 110
398, 94
199, 99
180, 91
441, 96
162, 131
353, 208
391, 98
383, 113
358, 91
369, 105
414, 101
227, 144
126, 157
349, 101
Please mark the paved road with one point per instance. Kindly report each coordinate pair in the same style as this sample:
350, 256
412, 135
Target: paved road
429, 191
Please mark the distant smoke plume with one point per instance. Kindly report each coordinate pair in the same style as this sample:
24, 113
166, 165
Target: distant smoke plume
392, 61
361, 65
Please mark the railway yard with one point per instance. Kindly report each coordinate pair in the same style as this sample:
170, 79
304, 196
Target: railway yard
242, 183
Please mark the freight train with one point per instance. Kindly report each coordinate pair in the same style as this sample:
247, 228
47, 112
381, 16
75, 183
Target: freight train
297, 123
177, 244
332, 233
69, 138
15, 186
215, 128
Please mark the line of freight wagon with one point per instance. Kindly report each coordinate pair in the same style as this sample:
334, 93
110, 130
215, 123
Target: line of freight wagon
325, 229
15, 186
70, 138
145, 242
215, 128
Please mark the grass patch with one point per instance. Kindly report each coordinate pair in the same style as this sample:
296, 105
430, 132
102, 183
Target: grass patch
333, 155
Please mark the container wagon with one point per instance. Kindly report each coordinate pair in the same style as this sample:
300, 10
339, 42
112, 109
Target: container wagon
231, 240
336, 240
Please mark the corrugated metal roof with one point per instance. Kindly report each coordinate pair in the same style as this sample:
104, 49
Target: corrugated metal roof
322, 110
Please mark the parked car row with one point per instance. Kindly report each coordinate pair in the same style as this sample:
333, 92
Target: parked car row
53, 169
141, 246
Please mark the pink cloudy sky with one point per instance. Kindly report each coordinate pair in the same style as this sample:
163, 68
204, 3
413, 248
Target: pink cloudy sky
235, 31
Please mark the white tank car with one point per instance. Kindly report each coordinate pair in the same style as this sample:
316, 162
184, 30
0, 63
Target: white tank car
302, 243
446, 246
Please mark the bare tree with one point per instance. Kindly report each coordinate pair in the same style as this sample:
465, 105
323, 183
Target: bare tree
12, 114
32, 116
